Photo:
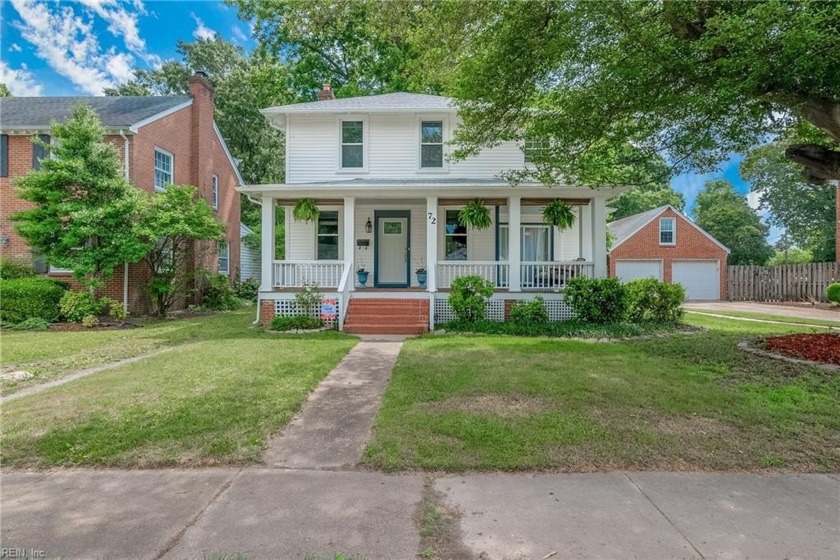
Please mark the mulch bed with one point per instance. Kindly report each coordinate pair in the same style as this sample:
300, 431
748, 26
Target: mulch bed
822, 348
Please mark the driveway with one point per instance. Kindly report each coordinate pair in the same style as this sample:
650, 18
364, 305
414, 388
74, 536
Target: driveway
799, 312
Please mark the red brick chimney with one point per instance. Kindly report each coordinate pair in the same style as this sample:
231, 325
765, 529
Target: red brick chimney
326, 93
202, 137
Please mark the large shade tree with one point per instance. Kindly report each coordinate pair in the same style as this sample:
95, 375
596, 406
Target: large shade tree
614, 84
725, 214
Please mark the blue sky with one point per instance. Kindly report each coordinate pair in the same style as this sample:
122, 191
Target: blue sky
81, 47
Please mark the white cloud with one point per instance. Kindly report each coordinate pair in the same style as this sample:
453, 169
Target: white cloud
14, 47
65, 40
201, 30
238, 35
122, 23
753, 199
20, 82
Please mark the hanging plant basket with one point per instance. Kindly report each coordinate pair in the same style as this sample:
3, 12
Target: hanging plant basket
475, 214
306, 210
558, 214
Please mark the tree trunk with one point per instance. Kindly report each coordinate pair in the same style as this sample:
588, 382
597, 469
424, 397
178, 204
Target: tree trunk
821, 164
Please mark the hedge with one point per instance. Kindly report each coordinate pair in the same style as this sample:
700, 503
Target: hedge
28, 298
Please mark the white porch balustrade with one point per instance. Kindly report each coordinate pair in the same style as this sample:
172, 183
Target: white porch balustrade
297, 274
494, 271
533, 275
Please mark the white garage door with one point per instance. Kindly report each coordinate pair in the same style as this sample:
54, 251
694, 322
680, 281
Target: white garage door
630, 270
701, 279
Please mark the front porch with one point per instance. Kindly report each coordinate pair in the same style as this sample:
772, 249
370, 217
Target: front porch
394, 235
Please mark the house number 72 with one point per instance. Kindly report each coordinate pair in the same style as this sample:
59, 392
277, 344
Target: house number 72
432, 219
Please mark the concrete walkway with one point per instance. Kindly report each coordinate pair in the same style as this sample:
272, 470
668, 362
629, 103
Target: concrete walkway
798, 312
334, 424
282, 513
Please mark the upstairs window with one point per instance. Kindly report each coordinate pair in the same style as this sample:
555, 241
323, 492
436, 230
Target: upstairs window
163, 168
4, 155
352, 144
667, 231
533, 148
456, 237
39, 151
431, 144
215, 192
328, 236
224, 257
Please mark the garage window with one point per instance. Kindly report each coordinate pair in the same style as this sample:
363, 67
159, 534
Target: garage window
667, 231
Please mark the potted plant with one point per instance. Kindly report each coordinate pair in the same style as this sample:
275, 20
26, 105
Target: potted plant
475, 214
306, 210
421, 277
362, 276
558, 214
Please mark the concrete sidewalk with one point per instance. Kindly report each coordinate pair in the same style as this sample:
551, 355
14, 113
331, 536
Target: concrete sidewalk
798, 312
282, 513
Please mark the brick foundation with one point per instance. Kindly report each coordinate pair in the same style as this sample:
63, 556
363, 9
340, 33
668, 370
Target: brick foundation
266, 311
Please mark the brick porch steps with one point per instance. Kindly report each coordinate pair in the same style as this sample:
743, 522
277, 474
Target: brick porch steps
387, 316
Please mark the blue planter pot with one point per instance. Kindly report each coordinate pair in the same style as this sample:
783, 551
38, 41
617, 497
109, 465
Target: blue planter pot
421, 279
362, 277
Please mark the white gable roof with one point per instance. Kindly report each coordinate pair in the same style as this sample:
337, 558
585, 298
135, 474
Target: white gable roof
369, 103
625, 228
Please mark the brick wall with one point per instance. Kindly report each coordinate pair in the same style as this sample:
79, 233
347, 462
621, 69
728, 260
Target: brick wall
267, 310
691, 244
198, 154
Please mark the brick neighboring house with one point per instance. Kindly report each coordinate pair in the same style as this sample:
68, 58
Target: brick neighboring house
161, 139
664, 243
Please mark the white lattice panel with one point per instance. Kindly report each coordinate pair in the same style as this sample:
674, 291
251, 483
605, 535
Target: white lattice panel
289, 308
558, 310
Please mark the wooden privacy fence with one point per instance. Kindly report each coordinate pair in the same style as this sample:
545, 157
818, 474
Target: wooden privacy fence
789, 282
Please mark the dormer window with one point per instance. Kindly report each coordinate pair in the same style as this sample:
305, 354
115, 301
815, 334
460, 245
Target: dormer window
352, 144
431, 144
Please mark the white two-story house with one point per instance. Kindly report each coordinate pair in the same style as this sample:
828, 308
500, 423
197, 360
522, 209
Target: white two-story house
378, 169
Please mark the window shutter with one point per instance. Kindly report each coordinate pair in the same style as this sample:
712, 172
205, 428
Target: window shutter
4, 155
39, 152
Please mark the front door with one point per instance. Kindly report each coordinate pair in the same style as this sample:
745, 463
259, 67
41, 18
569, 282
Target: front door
392, 249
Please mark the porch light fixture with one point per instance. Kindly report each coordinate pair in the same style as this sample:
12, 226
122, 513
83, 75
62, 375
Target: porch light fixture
368, 226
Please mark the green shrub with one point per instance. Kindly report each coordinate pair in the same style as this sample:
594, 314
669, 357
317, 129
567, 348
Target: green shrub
468, 297
78, 306
90, 321
649, 299
529, 312
10, 269
26, 298
295, 322
246, 289
597, 300
833, 292
309, 298
217, 293
563, 329
31, 324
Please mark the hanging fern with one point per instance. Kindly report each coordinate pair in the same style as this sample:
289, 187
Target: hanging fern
475, 214
558, 214
306, 210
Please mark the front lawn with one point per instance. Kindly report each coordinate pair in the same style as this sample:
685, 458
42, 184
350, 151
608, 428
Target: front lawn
212, 402
50, 354
684, 402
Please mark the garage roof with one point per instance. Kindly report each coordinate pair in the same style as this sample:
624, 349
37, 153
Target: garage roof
625, 228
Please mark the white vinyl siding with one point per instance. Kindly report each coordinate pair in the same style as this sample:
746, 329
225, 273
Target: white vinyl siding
164, 168
391, 149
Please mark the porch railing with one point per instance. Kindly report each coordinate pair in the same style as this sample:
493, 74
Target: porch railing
344, 287
552, 275
494, 271
297, 274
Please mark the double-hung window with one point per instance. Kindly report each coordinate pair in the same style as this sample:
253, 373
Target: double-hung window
533, 148
4, 155
352, 144
40, 151
215, 192
224, 257
163, 168
328, 235
667, 231
455, 235
431, 144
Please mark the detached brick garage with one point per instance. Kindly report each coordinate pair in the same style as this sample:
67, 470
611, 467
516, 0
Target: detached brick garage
665, 244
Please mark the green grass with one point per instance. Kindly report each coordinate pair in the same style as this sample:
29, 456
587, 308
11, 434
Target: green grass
770, 317
48, 355
686, 401
213, 402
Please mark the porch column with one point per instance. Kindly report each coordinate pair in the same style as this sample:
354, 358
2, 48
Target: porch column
514, 242
599, 237
431, 243
267, 245
350, 235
